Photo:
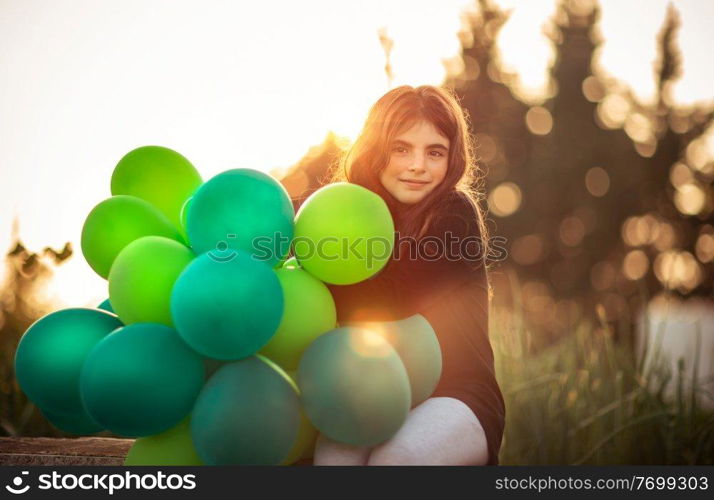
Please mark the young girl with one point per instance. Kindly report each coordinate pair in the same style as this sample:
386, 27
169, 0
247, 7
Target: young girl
416, 153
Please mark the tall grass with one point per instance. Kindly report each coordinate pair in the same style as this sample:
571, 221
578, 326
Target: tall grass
587, 400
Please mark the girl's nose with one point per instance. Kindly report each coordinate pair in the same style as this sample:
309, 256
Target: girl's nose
417, 164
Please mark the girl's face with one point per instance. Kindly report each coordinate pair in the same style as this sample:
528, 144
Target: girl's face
418, 160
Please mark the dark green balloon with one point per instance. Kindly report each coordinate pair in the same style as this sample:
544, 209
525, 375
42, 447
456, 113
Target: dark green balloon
159, 175
141, 380
106, 306
80, 424
227, 310
51, 353
248, 413
116, 222
418, 347
234, 208
354, 386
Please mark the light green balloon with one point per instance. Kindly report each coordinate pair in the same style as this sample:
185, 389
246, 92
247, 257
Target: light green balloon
142, 276
158, 175
183, 217
344, 234
172, 447
416, 342
116, 222
354, 386
309, 312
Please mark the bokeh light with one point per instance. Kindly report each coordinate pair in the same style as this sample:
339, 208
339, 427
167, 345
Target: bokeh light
505, 199
635, 265
597, 181
678, 270
539, 120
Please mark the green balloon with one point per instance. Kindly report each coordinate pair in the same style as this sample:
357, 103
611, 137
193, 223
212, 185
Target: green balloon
80, 424
116, 222
344, 234
142, 276
304, 446
242, 209
158, 175
248, 413
227, 309
354, 387
172, 447
309, 312
51, 353
418, 347
183, 217
141, 380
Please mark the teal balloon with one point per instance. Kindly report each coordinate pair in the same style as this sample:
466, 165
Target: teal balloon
51, 353
229, 309
106, 306
159, 175
248, 413
116, 222
80, 424
354, 386
416, 342
141, 380
242, 209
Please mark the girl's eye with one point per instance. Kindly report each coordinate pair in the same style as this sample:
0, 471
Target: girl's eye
436, 153
399, 149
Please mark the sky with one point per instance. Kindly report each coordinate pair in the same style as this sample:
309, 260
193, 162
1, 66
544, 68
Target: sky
232, 85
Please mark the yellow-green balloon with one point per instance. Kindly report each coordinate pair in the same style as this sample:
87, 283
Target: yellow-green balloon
172, 447
304, 442
142, 276
418, 347
183, 218
354, 386
116, 222
159, 175
344, 233
304, 446
309, 312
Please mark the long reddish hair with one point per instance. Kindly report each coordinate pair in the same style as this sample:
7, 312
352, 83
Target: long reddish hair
395, 112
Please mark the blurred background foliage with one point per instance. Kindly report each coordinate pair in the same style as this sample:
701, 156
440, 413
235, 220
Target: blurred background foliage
606, 204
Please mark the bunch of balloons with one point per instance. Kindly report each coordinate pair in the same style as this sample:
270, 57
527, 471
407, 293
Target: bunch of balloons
216, 345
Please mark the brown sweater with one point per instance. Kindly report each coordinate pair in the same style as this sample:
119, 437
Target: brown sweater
453, 296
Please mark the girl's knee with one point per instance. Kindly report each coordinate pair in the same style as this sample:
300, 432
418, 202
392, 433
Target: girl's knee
329, 452
392, 453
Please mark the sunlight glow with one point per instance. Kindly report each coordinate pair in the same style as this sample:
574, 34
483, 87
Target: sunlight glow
256, 85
